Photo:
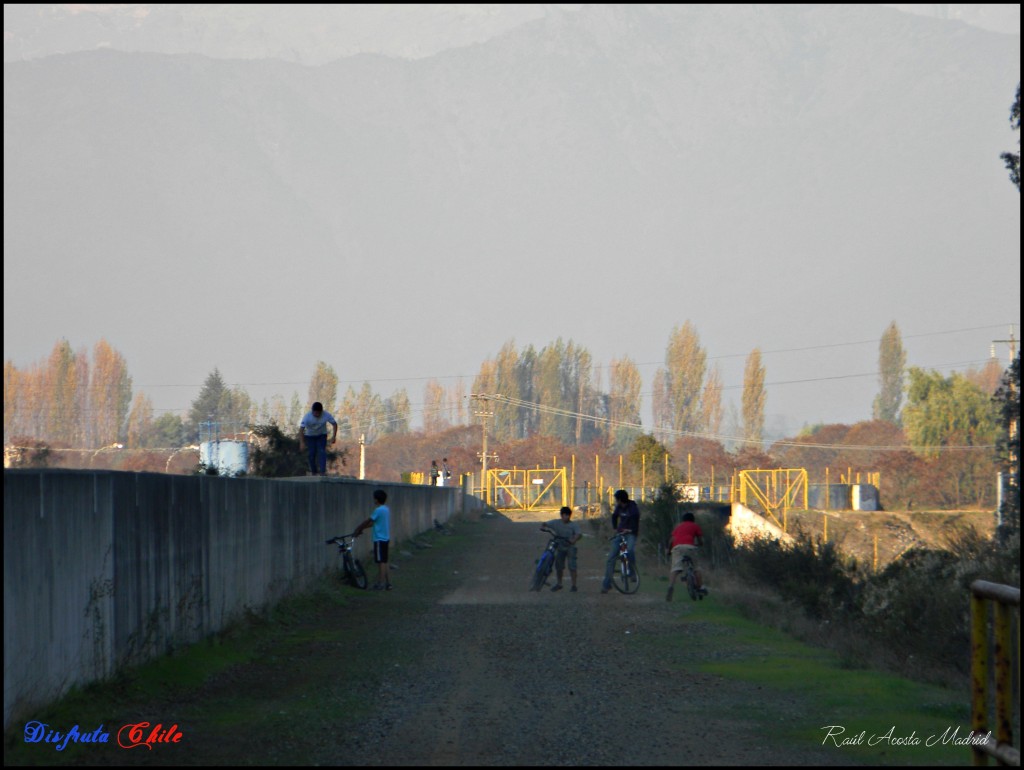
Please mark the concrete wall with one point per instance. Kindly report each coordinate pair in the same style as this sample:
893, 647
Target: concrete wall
745, 525
104, 569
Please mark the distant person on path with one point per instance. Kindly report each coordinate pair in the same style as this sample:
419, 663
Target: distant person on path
435, 473
446, 473
380, 520
313, 436
625, 521
570, 530
686, 538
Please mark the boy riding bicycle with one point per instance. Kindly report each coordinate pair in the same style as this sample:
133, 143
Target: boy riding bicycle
686, 538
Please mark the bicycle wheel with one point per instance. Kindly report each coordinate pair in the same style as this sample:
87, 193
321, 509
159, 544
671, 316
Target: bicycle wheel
540, 575
691, 584
356, 574
626, 578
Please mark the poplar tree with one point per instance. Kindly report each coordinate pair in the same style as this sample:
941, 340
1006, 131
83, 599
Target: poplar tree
139, 428
63, 404
360, 414
110, 394
506, 423
685, 364
892, 360
624, 384
551, 392
526, 381
434, 402
753, 397
712, 402
662, 413
323, 387
397, 413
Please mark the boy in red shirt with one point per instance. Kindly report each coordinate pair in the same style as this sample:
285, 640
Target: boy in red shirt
686, 538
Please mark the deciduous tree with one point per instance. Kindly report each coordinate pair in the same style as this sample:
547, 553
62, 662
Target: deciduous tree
685, 364
753, 397
323, 386
892, 360
110, 394
624, 384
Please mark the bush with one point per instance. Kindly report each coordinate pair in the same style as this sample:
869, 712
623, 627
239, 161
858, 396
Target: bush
914, 615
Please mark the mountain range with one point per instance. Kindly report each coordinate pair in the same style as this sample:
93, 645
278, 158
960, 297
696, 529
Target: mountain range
785, 177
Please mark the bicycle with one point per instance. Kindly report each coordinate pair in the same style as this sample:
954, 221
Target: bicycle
626, 577
691, 580
545, 563
352, 571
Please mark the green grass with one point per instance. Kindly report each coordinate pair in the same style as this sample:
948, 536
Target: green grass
196, 686
803, 690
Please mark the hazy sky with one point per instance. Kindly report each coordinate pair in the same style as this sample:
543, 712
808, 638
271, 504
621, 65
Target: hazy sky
379, 312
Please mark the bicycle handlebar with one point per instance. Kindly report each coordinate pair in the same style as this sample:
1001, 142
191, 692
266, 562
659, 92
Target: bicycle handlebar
341, 538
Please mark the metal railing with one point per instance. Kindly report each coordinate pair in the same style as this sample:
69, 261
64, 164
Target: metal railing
984, 647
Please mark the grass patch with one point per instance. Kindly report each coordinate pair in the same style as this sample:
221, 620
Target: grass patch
804, 691
248, 694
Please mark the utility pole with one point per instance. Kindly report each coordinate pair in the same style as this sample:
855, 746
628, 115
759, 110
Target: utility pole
1011, 342
484, 413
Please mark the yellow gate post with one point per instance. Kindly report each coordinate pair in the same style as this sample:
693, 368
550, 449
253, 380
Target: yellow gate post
1004, 597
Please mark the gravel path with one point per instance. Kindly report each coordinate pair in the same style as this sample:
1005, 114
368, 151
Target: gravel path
461, 665
522, 678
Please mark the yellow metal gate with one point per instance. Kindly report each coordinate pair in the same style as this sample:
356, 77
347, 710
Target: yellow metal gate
775, 490
527, 489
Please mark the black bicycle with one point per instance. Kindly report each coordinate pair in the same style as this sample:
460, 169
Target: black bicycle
352, 571
625, 577
546, 562
691, 579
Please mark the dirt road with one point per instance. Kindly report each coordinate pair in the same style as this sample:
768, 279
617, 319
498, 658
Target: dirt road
515, 677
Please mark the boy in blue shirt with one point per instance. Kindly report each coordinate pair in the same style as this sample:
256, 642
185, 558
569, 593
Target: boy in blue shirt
380, 520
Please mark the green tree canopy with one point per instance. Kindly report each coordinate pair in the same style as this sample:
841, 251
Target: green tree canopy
943, 411
218, 409
1012, 159
647, 451
1007, 400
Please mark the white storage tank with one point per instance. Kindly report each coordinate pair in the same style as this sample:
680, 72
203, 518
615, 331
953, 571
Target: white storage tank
230, 458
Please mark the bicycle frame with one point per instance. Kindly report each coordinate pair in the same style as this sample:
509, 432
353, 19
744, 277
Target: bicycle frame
627, 578
351, 568
545, 563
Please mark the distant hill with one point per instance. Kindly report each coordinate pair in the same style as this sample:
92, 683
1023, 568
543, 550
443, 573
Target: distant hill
757, 169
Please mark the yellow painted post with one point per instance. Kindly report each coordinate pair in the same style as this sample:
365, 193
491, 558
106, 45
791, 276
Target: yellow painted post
666, 468
874, 563
689, 468
620, 471
572, 484
824, 518
1004, 674
828, 496
643, 471
979, 672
